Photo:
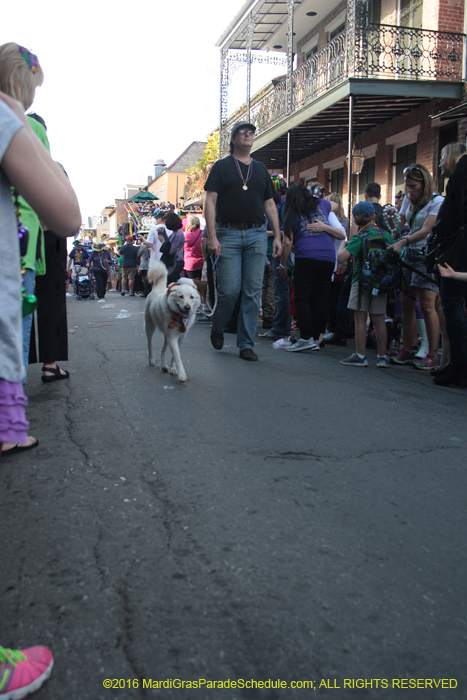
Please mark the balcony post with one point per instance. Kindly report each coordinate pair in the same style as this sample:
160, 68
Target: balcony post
224, 94
289, 90
349, 162
249, 41
357, 30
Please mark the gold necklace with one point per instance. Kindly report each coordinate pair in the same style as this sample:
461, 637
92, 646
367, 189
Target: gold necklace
248, 175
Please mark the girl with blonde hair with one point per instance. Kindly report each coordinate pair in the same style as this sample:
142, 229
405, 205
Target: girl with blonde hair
193, 257
419, 210
20, 75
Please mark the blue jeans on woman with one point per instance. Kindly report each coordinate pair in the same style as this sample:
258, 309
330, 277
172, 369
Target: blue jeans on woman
240, 268
29, 280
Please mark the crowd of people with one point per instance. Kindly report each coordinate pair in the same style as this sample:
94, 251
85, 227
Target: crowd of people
286, 255
334, 280
291, 258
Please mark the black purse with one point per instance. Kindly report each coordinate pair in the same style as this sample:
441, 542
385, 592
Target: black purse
445, 249
166, 258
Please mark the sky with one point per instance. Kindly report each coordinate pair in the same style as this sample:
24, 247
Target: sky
126, 83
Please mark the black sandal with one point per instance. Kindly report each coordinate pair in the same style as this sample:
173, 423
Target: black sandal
19, 448
57, 372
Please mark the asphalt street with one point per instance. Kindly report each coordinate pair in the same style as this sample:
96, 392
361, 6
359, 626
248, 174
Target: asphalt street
289, 519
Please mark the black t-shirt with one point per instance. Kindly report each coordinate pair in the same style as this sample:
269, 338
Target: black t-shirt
234, 204
129, 252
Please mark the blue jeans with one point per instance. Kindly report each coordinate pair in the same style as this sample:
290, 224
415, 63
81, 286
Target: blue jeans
240, 268
281, 326
28, 282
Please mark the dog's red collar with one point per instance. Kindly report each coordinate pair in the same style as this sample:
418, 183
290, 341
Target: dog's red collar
176, 318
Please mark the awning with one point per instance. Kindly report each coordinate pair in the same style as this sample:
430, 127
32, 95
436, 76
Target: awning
458, 112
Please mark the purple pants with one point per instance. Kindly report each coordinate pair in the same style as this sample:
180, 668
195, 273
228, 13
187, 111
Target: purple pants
418, 311
13, 424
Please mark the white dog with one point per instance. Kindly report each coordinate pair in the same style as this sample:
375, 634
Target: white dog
173, 311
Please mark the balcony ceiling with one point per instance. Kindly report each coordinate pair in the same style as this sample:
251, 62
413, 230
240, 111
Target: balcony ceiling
271, 24
331, 126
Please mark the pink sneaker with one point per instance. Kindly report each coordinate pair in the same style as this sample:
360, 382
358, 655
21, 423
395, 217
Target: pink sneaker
23, 672
429, 362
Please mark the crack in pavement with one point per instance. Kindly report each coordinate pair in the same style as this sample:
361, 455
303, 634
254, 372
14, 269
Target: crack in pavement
126, 638
69, 406
397, 454
99, 351
168, 509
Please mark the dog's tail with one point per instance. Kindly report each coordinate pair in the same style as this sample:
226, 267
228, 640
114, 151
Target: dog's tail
157, 274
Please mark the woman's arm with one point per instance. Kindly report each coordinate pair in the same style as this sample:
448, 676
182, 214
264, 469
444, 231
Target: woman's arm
447, 271
414, 237
30, 169
335, 223
342, 254
322, 227
285, 253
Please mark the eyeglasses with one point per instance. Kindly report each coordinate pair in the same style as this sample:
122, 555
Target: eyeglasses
411, 169
248, 132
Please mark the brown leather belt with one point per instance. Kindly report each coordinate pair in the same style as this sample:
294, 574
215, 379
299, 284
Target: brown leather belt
240, 226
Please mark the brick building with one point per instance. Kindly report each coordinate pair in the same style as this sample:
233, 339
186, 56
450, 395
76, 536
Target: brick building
376, 78
168, 184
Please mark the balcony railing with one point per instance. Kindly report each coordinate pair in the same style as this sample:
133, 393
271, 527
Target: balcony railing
380, 52
413, 54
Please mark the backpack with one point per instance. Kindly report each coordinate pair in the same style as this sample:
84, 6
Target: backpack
381, 268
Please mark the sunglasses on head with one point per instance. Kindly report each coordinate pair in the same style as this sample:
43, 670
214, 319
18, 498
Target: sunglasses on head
249, 132
410, 170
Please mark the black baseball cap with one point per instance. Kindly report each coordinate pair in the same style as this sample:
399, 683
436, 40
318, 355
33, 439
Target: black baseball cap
240, 125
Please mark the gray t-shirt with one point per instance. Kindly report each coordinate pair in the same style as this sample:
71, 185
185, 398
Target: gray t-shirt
430, 209
143, 255
11, 363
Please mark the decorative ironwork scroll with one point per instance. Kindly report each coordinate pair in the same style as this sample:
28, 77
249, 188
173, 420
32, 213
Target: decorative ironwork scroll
290, 5
413, 54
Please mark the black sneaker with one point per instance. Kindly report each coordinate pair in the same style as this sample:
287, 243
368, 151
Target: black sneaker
249, 355
217, 340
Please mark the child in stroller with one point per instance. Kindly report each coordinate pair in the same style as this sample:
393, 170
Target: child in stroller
83, 283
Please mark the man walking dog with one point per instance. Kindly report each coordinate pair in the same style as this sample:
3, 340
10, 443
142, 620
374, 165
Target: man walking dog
239, 195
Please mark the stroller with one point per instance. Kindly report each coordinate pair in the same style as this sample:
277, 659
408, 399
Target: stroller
83, 283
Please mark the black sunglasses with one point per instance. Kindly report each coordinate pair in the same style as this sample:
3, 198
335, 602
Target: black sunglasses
411, 169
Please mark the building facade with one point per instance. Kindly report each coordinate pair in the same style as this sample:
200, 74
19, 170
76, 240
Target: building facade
169, 184
360, 77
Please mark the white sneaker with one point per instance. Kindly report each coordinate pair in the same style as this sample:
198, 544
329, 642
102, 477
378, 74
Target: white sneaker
302, 344
282, 344
327, 336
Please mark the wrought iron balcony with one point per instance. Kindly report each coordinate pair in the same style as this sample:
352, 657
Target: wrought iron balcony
412, 54
379, 51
